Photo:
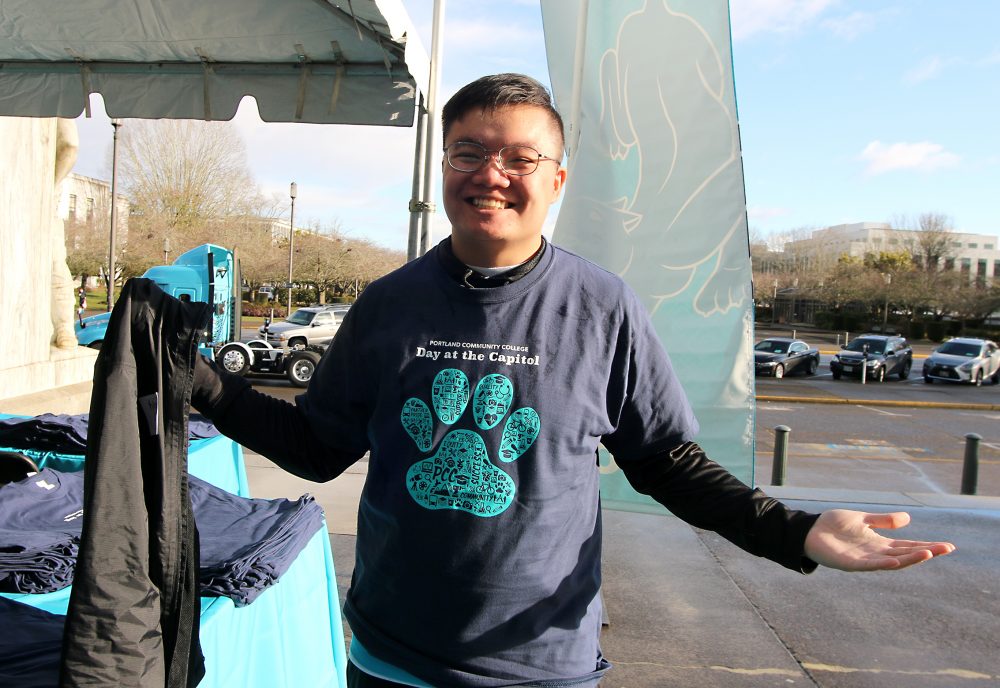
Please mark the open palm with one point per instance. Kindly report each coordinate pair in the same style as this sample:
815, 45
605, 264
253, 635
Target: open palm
846, 540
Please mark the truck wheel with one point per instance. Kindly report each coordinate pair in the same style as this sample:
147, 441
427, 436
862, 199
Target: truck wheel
234, 359
297, 343
301, 366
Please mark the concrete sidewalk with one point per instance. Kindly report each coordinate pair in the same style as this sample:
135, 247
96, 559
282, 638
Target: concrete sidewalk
689, 609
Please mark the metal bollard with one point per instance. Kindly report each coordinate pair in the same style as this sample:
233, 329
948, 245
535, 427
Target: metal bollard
780, 454
970, 468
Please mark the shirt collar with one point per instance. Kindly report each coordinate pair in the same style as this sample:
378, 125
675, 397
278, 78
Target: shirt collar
471, 279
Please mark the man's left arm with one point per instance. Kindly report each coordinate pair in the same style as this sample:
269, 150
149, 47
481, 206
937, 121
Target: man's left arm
706, 495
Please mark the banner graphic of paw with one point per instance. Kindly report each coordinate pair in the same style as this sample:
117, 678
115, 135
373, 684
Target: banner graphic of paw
460, 475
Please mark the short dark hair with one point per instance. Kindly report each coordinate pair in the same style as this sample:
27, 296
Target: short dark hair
497, 91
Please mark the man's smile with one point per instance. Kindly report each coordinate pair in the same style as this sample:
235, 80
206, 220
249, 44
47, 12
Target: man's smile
490, 203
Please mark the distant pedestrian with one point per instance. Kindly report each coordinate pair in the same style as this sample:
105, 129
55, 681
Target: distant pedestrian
81, 304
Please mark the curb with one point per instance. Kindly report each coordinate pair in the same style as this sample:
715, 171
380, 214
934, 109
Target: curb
882, 402
833, 352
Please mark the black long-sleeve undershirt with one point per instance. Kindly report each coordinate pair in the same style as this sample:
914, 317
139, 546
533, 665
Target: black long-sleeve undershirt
267, 425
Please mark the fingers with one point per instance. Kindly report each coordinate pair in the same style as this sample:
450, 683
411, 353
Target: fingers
895, 519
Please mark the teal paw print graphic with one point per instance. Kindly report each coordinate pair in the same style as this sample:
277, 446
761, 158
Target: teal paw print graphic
460, 474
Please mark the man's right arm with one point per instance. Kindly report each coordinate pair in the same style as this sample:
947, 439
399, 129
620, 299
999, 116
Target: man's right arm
264, 424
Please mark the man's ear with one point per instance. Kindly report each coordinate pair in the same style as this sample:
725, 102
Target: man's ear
557, 184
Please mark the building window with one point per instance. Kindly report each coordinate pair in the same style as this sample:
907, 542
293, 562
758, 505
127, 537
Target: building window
966, 266
949, 263
956, 244
90, 208
988, 247
893, 241
72, 206
972, 245
996, 268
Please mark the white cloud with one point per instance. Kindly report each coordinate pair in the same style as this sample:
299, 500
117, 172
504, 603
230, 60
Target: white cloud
928, 69
762, 214
922, 156
991, 59
751, 17
851, 26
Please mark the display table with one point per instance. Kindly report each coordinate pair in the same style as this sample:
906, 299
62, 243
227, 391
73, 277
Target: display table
291, 636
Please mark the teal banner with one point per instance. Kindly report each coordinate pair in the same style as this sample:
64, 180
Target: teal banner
655, 194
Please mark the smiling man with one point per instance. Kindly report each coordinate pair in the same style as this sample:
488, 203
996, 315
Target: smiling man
480, 379
502, 171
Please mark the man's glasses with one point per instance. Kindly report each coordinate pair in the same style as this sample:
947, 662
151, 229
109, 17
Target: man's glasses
518, 161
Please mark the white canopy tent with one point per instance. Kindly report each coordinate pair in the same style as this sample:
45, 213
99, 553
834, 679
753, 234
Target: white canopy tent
319, 61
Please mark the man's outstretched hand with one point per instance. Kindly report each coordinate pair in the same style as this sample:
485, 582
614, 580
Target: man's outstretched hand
845, 540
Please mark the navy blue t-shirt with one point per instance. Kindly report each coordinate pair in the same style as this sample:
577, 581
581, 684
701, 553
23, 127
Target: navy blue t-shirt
479, 535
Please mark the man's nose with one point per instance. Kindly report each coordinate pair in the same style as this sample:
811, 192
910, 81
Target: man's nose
492, 171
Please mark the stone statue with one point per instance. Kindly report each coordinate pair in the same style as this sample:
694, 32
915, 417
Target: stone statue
63, 301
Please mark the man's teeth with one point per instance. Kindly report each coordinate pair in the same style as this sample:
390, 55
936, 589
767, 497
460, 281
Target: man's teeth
489, 203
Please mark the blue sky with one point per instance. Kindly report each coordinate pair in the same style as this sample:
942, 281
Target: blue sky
850, 111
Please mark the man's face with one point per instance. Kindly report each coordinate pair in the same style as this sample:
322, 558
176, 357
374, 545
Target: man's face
497, 218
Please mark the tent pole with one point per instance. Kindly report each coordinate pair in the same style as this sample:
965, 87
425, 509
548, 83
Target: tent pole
578, 69
433, 125
416, 193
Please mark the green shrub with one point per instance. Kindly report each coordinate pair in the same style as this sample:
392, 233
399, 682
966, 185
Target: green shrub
917, 330
263, 310
936, 331
826, 320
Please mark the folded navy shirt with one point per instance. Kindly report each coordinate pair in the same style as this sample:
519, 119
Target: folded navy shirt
67, 434
40, 525
30, 657
246, 544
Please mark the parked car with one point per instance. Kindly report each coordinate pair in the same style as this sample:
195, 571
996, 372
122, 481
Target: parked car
882, 355
312, 325
964, 359
778, 356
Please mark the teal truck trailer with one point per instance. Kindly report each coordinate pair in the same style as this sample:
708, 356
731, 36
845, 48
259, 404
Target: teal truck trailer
211, 274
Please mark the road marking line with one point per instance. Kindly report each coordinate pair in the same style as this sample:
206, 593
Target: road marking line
887, 413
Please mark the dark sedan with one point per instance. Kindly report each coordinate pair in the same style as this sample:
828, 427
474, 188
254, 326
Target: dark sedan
778, 356
874, 356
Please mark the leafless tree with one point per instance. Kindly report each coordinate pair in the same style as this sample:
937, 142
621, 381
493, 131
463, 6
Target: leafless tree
931, 243
183, 178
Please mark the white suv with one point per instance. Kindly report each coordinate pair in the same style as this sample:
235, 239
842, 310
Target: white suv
310, 325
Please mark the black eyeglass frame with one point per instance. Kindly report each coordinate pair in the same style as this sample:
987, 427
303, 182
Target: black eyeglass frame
489, 155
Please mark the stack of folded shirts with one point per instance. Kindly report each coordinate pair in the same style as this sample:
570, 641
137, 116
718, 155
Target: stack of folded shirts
246, 544
40, 523
67, 434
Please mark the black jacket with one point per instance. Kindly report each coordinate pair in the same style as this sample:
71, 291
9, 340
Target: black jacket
134, 608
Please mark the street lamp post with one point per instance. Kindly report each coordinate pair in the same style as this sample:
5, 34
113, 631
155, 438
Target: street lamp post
885, 311
292, 192
774, 302
115, 123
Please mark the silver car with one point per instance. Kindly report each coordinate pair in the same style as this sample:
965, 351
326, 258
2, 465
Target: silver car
310, 325
964, 359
